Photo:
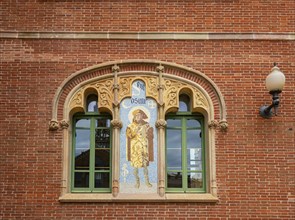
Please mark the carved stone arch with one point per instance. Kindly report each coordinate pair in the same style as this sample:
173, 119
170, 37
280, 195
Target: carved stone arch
77, 102
199, 98
202, 86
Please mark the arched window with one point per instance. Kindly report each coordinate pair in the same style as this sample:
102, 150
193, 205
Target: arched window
185, 150
92, 103
184, 103
91, 163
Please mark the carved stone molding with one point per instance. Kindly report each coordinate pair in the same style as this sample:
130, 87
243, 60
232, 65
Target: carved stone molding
117, 123
161, 123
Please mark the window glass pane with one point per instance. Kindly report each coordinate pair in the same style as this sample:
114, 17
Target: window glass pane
184, 103
81, 180
173, 138
82, 149
173, 122
103, 122
92, 103
82, 159
194, 154
193, 139
102, 138
194, 165
192, 123
84, 123
174, 179
82, 139
102, 159
194, 180
174, 159
102, 180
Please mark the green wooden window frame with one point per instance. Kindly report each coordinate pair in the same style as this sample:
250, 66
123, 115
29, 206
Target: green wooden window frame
182, 179
96, 178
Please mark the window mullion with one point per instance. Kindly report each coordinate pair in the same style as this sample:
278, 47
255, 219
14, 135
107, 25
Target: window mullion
184, 157
92, 155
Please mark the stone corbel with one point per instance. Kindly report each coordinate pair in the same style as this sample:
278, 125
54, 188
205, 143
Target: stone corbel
221, 125
55, 125
213, 124
63, 124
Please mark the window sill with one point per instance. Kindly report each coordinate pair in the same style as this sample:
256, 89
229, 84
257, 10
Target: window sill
87, 197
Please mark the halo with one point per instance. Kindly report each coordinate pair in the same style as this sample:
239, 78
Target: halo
144, 109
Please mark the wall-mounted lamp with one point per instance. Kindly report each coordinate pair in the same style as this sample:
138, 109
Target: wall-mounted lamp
275, 82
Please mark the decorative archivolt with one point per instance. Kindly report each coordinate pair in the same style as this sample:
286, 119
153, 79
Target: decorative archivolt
103, 89
126, 82
172, 91
164, 82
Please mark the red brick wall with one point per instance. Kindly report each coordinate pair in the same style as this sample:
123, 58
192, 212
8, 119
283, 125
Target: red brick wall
254, 159
149, 15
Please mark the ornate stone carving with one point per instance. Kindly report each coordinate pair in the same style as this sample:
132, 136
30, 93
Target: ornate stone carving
223, 125
199, 100
171, 92
160, 68
117, 123
77, 99
115, 68
105, 94
152, 87
116, 86
161, 123
64, 124
53, 125
125, 86
213, 124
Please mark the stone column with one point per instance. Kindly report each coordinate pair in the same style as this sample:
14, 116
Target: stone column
161, 124
116, 127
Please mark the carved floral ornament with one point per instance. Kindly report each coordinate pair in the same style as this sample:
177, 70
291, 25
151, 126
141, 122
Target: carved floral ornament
159, 87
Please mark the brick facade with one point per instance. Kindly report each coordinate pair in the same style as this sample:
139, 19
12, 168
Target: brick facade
254, 158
